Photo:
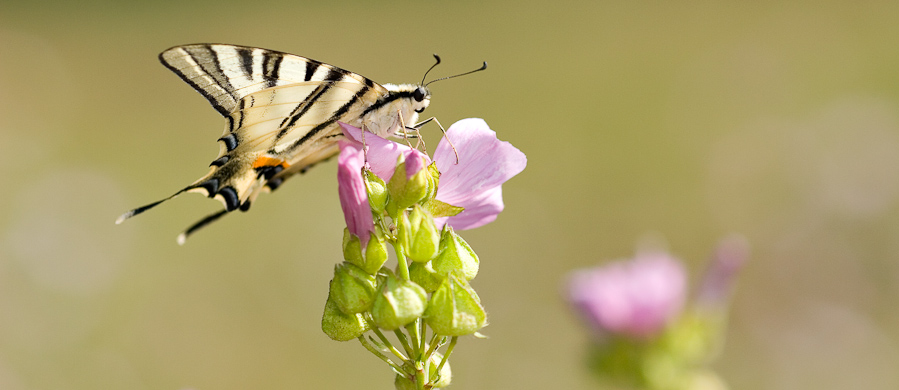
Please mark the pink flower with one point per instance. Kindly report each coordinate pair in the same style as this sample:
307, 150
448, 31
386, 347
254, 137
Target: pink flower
636, 298
352, 191
475, 183
717, 283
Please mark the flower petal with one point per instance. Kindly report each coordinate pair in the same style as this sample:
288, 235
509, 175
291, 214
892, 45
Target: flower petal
352, 192
636, 298
478, 212
484, 161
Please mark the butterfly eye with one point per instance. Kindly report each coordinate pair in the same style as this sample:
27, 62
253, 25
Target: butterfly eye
419, 94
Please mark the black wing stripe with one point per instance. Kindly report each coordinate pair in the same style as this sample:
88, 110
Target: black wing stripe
311, 67
334, 118
212, 99
246, 61
217, 72
334, 76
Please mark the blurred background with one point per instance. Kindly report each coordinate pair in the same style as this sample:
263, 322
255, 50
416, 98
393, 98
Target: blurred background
692, 121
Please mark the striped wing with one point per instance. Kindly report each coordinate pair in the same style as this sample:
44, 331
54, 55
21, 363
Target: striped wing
282, 113
224, 74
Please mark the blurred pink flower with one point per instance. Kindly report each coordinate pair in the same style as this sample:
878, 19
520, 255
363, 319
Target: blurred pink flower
475, 183
352, 192
717, 283
636, 298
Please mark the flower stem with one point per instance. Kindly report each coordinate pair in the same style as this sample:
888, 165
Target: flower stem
386, 342
415, 337
402, 268
449, 350
402, 337
372, 349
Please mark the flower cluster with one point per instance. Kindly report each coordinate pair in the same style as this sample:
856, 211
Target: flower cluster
394, 194
646, 335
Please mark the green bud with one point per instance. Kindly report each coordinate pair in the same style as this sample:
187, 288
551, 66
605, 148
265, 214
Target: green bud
377, 191
352, 248
424, 275
455, 309
339, 326
455, 257
352, 289
423, 237
406, 192
446, 375
375, 253
433, 180
398, 303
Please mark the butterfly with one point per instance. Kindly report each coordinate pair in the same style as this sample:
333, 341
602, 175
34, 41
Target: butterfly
282, 114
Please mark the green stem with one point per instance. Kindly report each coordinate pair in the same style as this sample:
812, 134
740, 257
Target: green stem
449, 350
402, 268
386, 342
372, 349
405, 343
412, 328
436, 342
423, 335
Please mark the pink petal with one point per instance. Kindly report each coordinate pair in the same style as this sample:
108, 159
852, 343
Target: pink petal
636, 298
415, 162
484, 161
352, 192
478, 212
381, 153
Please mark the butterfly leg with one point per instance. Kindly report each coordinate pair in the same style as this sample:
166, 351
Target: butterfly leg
418, 126
405, 133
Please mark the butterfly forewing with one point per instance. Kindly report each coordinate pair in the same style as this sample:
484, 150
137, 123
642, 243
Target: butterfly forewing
282, 112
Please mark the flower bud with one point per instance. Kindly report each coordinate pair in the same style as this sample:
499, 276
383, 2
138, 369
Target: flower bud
339, 326
398, 303
424, 275
352, 289
455, 309
409, 183
443, 380
455, 257
377, 191
422, 237
375, 253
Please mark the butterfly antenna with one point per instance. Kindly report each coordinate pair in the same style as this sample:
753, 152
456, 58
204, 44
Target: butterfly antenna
436, 57
460, 74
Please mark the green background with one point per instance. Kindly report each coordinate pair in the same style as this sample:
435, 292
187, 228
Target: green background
688, 121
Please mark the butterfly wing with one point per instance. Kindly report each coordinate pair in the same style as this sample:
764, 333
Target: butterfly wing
282, 112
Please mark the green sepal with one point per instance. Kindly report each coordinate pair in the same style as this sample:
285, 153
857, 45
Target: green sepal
456, 256
404, 192
423, 238
398, 303
342, 327
441, 209
377, 191
352, 289
424, 275
375, 252
455, 309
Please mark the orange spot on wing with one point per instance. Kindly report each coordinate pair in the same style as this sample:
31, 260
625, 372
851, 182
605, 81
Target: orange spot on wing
265, 161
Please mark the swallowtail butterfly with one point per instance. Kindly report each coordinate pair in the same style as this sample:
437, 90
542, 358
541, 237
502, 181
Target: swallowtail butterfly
282, 112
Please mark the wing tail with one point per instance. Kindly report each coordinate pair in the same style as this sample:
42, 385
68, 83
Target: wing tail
182, 238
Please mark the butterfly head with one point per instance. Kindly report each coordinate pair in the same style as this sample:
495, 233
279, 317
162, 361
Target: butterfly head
421, 98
